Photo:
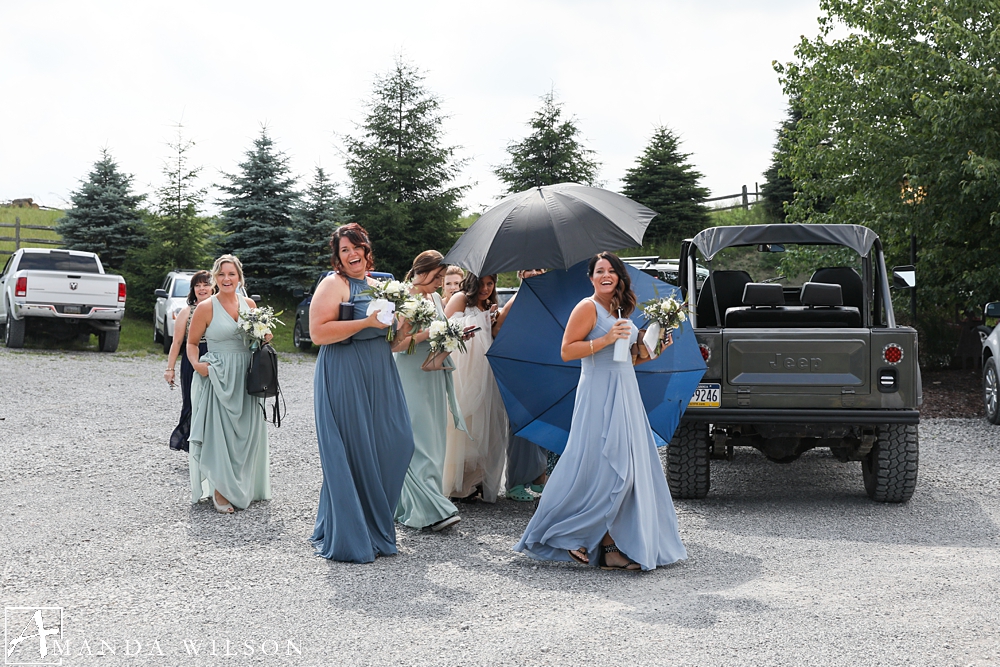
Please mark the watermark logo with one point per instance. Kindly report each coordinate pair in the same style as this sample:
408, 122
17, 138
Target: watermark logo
31, 634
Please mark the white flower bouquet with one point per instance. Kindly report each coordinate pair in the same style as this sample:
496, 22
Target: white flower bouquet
257, 323
388, 296
420, 313
446, 336
664, 316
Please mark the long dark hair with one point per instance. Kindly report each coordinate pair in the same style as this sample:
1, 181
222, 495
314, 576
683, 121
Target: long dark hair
471, 288
623, 297
198, 278
358, 236
426, 261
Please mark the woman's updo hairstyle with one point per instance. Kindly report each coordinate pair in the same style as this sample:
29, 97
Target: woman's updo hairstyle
428, 260
623, 297
357, 235
217, 269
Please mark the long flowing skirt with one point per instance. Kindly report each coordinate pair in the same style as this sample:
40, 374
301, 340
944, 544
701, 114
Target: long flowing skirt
365, 445
609, 480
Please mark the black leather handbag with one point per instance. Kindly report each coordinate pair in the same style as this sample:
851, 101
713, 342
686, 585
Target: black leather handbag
262, 379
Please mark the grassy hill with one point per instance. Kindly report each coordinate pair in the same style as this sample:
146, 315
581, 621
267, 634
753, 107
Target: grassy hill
28, 216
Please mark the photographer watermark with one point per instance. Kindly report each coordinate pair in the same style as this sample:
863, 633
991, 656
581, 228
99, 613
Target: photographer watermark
32, 635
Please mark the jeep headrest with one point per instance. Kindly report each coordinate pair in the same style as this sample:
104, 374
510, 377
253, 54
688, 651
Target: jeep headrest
763, 294
821, 294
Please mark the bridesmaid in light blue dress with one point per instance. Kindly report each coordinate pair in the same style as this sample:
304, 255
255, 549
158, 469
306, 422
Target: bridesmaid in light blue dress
607, 502
228, 456
362, 423
430, 395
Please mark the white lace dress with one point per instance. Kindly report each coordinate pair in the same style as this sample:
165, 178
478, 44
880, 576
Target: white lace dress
477, 457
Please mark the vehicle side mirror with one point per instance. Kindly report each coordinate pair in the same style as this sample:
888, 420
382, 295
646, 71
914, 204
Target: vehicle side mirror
904, 277
770, 247
297, 294
160, 293
255, 297
992, 309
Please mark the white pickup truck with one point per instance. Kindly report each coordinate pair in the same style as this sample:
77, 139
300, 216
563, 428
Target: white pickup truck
63, 292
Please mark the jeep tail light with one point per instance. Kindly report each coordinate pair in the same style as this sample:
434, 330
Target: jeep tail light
706, 352
121, 292
892, 353
21, 286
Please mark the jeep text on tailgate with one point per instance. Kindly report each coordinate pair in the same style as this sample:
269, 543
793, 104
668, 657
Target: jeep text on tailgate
815, 362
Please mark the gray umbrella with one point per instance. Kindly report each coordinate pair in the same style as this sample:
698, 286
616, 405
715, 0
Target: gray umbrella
550, 227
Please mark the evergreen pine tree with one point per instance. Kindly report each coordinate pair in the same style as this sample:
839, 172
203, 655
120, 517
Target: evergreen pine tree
323, 210
401, 174
778, 188
105, 217
664, 181
551, 154
257, 217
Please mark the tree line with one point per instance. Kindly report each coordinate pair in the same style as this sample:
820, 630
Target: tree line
403, 187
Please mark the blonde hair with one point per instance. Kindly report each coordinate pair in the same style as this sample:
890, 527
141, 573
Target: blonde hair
227, 259
454, 270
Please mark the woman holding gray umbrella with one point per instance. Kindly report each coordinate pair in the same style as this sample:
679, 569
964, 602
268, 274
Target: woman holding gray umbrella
607, 502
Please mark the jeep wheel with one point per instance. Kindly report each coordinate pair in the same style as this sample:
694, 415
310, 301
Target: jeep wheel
108, 340
298, 337
167, 340
991, 400
890, 468
688, 461
13, 331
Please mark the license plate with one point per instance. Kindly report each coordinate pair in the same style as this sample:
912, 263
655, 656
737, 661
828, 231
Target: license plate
707, 395
71, 310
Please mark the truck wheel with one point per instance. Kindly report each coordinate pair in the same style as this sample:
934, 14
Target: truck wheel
890, 468
167, 340
688, 461
991, 398
108, 340
13, 331
298, 337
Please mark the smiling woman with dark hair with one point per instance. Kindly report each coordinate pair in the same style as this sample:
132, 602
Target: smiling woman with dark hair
607, 502
201, 289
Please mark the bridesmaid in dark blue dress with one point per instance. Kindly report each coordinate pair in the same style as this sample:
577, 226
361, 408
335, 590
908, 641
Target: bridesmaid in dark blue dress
362, 423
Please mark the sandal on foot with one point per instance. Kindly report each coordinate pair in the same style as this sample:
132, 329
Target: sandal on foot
613, 548
520, 494
576, 554
444, 523
222, 509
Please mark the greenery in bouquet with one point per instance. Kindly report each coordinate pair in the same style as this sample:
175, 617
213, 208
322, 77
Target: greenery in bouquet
666, 315
388, 297
257, 323
420, 313
446, 336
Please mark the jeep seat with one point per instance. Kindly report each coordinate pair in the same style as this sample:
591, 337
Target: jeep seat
821, 309
850, 282
730, 286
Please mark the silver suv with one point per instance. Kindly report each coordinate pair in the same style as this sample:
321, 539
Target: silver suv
170, 299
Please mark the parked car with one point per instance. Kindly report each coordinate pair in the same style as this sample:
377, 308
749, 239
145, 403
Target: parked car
793, 367
63, 292
170, 299
505, 294
667, 270
991, 352
300, 332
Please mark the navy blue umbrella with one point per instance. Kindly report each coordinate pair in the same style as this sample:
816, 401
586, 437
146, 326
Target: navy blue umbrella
539, 388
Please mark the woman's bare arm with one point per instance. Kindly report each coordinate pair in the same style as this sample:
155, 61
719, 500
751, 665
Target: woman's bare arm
325, 326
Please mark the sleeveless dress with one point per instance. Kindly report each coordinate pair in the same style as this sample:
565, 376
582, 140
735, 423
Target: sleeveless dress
179, 437
609, 478
475, 457
365, 443
429, 397
229, 450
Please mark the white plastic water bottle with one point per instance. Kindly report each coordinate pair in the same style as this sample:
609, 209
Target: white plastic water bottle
621, 345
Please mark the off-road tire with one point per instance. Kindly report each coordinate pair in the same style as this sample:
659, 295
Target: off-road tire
13, 331
298, 337
108, 340
167, 340
890, 468
688, 461
991, 391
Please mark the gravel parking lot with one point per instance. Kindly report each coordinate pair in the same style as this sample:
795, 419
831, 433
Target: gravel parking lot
788, 565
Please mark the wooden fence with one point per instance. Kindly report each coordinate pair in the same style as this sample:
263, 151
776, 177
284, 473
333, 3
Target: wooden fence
17, 239
744, 197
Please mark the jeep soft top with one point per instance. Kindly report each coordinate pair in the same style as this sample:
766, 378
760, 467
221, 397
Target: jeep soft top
793, 367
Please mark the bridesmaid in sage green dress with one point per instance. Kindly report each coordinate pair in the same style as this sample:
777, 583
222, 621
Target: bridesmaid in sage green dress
429, 396
228, 443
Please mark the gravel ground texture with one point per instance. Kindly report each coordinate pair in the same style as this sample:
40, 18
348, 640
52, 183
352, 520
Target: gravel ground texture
788, 564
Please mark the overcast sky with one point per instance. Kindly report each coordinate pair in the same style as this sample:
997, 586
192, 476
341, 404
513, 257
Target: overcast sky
77, 76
